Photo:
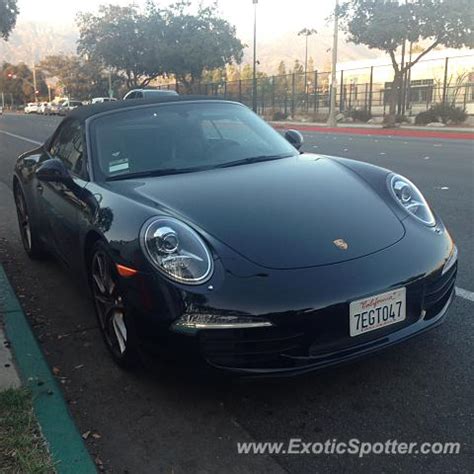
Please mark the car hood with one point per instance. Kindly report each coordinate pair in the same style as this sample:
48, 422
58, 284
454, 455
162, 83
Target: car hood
289, 213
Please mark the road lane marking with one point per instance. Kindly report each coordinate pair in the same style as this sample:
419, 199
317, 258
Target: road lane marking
29, 140
467, 295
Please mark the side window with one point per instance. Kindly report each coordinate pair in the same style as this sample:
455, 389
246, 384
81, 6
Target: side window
133, 95
68, 146
138, 95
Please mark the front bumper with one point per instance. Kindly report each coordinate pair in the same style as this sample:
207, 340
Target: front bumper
308, 309
287, 363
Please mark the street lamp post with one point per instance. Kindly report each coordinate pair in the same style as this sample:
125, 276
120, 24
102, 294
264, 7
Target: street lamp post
306, 32
332, 109
254, 95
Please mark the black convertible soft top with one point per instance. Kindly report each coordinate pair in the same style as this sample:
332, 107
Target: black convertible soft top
86, 111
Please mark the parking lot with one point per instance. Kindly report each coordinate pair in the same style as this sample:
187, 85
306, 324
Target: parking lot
162, 420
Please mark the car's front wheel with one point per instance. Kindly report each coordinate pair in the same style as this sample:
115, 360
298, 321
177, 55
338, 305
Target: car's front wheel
111, 308
29, 238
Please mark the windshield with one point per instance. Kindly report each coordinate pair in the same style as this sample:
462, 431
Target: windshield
180, 137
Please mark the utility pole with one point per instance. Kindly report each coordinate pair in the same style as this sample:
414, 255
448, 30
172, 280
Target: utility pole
332, 109
254, 95
111, 91
34, 82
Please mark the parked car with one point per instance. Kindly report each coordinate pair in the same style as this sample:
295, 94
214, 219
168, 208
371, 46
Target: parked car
68, 105
31, 108
148, 93
54, 107
201, 231
100, 100
43, 108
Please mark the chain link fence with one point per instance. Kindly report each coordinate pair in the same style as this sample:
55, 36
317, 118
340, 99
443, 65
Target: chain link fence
447, 80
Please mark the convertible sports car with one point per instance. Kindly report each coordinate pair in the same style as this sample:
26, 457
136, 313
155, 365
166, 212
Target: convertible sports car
201, 231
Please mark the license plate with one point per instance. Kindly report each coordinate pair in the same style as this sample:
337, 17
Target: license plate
377, 311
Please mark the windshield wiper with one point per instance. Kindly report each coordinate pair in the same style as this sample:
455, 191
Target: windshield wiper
149, 174
253, 159
170, 171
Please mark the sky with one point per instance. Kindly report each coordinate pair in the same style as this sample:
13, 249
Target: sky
274, 16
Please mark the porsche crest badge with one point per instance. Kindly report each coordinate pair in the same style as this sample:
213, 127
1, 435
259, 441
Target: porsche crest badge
340, 244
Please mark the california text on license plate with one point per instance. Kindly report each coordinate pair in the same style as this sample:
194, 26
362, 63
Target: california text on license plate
377, 311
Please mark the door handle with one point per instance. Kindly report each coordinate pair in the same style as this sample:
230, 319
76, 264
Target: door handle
40, 188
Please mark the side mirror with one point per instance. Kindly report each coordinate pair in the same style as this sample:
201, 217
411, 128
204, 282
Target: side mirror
53, 170
295, 138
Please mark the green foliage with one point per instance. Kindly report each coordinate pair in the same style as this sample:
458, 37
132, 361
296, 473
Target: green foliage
360, 115
176, 40
399, 118
195, 42
123, 39
446, 114
298, 68
8, 13
79, 78
22, 448
282, 69
16, 82
279, 116
386, 24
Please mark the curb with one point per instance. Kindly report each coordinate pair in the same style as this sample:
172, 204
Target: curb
65, 443
395, 132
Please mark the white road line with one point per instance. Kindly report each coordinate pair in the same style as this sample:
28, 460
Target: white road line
467, 295
29, 140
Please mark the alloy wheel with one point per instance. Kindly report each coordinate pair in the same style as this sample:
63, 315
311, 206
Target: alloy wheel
109, 303
23, 220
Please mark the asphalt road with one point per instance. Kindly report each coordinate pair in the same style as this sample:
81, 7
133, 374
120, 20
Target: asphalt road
174, 421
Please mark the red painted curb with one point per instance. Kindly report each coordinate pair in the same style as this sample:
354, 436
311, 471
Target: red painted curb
380, 131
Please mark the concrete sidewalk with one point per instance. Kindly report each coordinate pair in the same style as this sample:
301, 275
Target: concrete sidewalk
374, 126
459, 133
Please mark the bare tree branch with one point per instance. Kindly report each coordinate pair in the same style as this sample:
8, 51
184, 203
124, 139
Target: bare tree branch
426, 51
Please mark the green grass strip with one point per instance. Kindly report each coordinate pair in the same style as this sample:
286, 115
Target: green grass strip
22, 448
57, 426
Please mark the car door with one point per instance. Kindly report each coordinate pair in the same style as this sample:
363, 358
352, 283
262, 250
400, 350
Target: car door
63, 202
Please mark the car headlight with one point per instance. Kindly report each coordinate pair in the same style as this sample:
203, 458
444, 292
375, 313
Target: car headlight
176, 250
411, 199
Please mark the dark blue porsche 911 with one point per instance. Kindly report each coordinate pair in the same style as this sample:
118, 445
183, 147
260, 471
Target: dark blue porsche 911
202, 232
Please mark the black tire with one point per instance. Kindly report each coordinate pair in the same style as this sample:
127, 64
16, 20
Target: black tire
111, 308
29, 238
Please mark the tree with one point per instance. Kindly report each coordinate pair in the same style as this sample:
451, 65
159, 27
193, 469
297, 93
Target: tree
196, 42
16, 81
247, 72
298, 68
78, 77
282, 68
124, 40
8, 13
388, 24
